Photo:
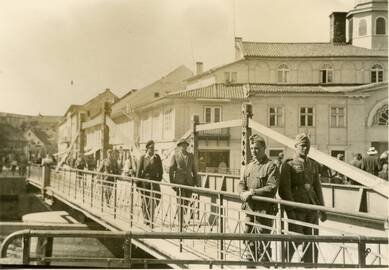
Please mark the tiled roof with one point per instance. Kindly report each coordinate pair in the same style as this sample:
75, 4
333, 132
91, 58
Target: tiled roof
274, 49
242, 91
215, 91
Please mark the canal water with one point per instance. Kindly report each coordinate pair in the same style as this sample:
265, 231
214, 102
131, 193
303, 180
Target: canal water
13, 208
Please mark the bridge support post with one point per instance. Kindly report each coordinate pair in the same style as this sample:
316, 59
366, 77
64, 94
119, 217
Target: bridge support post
105, 130
247, 114
195, 141
44, 248
362, 252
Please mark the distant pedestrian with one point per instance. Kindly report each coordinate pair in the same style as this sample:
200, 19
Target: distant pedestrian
370, 162
338, 177
14, 164
128, 166
109, 166
23, 163
300, 183
260, 178
279, 160
383, 173
150, 167
356, 162
81, 163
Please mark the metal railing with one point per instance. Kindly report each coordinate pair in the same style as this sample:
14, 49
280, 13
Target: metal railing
365, 199
360, 244
152, 206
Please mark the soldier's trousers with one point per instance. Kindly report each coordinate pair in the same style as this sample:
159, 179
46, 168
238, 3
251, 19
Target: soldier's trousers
258, 250
311, 253
150, 201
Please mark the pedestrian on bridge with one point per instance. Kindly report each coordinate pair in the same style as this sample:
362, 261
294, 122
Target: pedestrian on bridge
150, 167
109, 166
183, 171
300, 183
370, 162
260, 178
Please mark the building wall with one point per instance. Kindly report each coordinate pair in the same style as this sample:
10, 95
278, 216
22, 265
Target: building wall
345, 71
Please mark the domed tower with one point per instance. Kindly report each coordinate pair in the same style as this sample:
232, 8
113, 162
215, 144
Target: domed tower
368, 24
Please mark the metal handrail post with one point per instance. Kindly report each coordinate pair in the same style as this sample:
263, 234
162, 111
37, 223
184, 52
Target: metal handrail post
180, 215
151, 205
26, 246
127, 249
91, 191
221, 226
115, 187
132, 190
279, 244
362, 252
102, 195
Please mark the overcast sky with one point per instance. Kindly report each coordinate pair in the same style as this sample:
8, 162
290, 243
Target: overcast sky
45, 45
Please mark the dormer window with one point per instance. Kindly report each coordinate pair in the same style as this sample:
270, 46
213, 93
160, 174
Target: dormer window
283, 71
380, 26
326, 74
362, 28
230, 77
377, 73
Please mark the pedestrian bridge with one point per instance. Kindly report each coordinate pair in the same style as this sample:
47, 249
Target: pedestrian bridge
206, 230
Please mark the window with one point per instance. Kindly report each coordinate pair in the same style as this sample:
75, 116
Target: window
230, 77
306, 117
335, 153
275, 116
362, 27
381, 117
146, 128
377, 73
212, 114
167, 120
380, 26
156, 126
283, 71
337, 117
326, 74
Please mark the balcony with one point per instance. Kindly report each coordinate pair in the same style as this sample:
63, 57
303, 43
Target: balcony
215, 134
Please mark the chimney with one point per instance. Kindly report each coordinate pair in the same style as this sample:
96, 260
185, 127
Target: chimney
338, 27
199, 68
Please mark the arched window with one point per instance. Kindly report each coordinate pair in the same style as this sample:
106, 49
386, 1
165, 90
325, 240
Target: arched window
377, 73
380, 26
381, 117
362, 27
326, 74
283, 71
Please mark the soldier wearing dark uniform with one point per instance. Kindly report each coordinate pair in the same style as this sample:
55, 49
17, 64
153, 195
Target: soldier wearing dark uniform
260, 178
300, 183
109, 166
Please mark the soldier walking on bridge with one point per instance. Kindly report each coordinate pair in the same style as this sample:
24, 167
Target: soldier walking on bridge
183, 171
300, 183
150, 167
260, 178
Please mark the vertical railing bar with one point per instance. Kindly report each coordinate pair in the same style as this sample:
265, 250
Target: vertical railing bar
181, 215
132, 190
115, 187
26, 249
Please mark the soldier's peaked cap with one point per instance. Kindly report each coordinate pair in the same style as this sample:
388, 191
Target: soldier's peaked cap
149, 143
302, 138
256, 138
182, 141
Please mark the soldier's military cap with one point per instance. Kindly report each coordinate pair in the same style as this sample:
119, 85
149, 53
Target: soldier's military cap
149, 143
302, 138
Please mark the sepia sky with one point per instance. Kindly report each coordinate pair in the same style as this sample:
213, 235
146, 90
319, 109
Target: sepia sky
45, 45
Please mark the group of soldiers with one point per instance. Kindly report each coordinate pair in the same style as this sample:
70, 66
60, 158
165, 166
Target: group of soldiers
296, 180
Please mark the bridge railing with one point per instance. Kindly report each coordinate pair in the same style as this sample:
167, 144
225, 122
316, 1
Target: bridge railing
358, 243
152, 206
364, 199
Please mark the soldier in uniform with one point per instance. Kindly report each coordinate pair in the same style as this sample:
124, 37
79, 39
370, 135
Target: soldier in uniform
260, 178
300, 183
109, 166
